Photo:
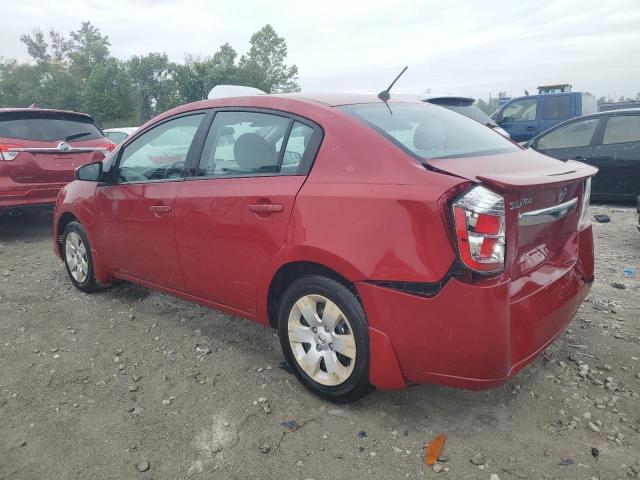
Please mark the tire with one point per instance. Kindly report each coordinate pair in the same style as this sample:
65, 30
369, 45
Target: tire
76, 253
331, 362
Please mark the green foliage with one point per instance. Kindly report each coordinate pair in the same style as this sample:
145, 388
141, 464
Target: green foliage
78, 73
263, 66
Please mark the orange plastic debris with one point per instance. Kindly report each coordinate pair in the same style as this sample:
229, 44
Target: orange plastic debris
434, 449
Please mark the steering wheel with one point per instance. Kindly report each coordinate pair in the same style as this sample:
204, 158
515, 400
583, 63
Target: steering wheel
132, 176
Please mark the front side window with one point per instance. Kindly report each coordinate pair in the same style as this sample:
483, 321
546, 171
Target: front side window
243, 144
622, 129
556, 107
429, 131
577, 134
521, 110
160, 153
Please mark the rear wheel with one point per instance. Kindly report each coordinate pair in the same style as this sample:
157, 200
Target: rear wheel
324, 336
77, 258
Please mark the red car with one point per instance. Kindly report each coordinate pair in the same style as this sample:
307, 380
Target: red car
389, 243
39, 152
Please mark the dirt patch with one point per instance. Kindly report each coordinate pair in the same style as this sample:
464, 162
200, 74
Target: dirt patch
97, 386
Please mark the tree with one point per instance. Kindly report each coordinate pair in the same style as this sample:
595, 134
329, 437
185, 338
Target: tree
37, 46
107, 93
263, 66
88, 48
150, 77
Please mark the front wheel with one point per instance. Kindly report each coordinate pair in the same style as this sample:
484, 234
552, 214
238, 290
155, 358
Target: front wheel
77, 258
324, 336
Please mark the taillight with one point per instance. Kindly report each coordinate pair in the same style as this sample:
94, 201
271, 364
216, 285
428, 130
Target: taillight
108, 146
480, 230
8, 151
584, 206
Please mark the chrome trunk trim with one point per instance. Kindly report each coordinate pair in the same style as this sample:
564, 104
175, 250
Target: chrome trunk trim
546, 215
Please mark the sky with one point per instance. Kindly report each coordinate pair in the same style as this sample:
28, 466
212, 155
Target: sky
471, 48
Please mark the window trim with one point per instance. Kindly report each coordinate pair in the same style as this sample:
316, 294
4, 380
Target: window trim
306, 163
112, 174
604, 130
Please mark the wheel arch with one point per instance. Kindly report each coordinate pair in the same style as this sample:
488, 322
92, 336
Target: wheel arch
291, 271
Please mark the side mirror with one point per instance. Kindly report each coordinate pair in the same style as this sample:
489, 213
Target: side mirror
497, 117
90, 172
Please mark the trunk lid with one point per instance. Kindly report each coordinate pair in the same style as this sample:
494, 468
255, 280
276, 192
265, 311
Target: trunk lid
543, 199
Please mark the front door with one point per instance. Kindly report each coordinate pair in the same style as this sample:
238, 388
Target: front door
232, 214
135, 216
569, 142
520, 119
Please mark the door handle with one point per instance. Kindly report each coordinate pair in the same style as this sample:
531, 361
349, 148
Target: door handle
578, 158
266, 208
158, 210
530, 128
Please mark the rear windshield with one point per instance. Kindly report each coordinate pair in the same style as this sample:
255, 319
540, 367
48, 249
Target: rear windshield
428, 131
474, 113
47, 127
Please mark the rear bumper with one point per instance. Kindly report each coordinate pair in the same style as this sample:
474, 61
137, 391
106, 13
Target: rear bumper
474, 336
14, 194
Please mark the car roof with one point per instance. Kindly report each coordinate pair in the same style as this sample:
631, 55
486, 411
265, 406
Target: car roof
335, 99
44, 110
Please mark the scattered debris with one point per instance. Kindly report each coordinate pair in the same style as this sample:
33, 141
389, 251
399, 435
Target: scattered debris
291, 425
434, 449
602, 218
143, 466
566, 461
478, 459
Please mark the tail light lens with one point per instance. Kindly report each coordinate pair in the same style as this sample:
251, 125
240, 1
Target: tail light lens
584, 206
480, 230
108, 146
8, 151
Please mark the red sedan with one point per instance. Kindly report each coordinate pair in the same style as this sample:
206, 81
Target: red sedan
39, 152
388, 243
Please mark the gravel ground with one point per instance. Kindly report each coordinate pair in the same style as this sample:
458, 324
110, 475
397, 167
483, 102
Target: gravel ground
130, 383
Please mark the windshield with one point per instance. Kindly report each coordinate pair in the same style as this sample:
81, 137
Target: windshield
48, 126
428, 131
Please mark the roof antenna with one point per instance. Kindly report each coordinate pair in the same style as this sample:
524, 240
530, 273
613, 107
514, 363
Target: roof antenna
384, 95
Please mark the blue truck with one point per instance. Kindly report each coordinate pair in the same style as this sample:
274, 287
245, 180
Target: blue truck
525, 117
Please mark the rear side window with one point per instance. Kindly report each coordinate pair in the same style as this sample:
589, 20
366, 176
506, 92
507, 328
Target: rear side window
556, 107
241, 144
428, 131
577, 134
622, 129
47, 127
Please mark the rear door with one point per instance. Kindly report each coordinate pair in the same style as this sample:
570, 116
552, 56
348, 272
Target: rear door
520, 119
617, 155
573, 141
47, 147
233, 210
555, 109
135, 218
